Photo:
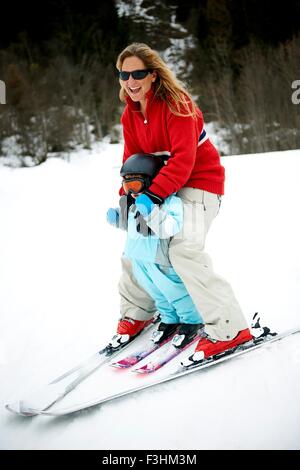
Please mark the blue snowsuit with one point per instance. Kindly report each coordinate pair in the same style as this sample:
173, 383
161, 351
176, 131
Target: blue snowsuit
151, 265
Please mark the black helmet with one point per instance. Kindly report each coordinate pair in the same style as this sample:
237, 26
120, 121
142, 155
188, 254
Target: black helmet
143, 164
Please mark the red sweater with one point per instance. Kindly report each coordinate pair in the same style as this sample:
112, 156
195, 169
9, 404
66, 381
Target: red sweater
190, 164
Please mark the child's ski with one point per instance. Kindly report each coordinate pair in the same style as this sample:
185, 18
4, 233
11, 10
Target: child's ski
164, 355
140, 354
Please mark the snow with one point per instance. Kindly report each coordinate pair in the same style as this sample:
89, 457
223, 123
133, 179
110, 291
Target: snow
174, 55
59, 271
136, 9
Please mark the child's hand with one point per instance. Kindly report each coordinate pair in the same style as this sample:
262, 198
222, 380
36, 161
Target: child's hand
144, 205
112, 216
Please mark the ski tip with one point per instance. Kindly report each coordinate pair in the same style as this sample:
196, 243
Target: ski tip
13, 408
18, 408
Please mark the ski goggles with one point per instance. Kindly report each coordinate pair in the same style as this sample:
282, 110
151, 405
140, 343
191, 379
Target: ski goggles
134, 185
136, 74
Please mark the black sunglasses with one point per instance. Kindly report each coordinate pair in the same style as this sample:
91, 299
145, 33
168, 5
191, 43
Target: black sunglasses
136, 74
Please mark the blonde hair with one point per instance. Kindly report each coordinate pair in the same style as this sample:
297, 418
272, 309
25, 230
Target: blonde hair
166, 85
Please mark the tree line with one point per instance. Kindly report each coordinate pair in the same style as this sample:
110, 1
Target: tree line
58, 65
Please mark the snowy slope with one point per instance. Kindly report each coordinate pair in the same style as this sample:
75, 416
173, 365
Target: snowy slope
59, 270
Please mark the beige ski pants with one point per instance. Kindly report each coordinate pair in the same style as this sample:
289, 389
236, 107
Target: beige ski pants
212, 294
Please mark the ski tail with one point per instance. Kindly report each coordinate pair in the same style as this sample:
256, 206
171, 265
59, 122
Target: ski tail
259, 332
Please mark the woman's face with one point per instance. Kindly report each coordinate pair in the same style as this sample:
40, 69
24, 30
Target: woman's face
136, 89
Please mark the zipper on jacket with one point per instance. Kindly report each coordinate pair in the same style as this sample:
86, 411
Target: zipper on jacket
145, 118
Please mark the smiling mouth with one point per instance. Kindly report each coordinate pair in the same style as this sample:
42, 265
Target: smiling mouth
135, 90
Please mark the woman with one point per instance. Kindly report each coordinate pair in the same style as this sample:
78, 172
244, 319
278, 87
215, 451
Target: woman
160, 117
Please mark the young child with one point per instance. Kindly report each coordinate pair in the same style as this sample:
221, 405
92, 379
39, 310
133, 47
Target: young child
149, 229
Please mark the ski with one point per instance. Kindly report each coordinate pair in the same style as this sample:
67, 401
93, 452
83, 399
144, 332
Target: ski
180, 372
163, 355
140, 354
49, 394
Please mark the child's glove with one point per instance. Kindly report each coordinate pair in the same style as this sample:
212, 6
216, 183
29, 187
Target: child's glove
112, 216
144, 204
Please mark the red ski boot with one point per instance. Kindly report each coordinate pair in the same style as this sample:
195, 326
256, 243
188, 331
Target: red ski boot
208, 347
127, 329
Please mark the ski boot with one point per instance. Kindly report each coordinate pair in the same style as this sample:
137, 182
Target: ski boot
164, 331
208, 347
128, 328
186, 332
